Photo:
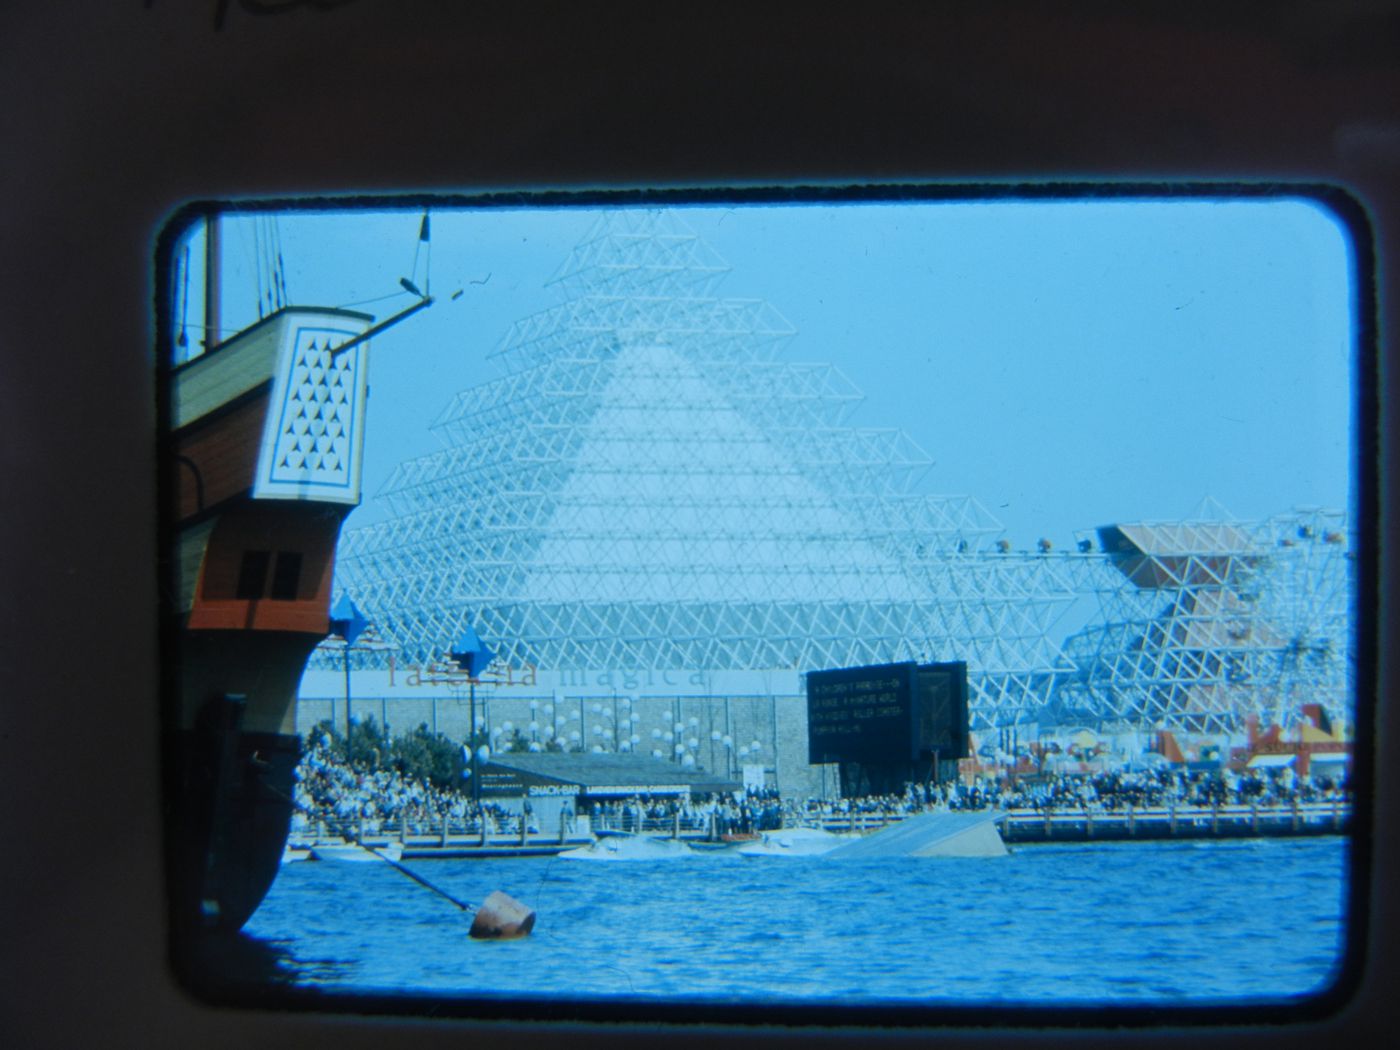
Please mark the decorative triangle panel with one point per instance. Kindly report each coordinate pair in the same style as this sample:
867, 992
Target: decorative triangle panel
311, 446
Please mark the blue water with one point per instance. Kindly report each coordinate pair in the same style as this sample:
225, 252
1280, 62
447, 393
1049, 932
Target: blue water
1132, 923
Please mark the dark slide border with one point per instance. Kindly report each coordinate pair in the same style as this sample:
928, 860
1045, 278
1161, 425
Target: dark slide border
118, 115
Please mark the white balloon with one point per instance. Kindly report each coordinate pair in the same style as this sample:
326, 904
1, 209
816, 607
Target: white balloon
506, 727
597, 749
656, 734
534, 727
680, 749
655, 753
688, 760
714, 734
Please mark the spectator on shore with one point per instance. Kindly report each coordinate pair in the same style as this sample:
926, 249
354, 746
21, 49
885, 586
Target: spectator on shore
347, 797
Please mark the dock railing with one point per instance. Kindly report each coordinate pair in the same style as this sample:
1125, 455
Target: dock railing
1027, 824
1329, 816
1063, 823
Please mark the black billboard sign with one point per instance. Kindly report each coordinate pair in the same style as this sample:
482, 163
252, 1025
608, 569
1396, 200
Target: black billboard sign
941, 705
860, 714
885, 713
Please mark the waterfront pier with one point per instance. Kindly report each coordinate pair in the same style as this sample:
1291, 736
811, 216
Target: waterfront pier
1331, 817
457, 839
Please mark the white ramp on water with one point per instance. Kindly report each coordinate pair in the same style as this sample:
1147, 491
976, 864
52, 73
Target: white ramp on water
352, 852
629, 847
792, 842
931, 835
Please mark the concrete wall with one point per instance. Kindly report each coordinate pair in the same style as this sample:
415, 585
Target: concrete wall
778, 723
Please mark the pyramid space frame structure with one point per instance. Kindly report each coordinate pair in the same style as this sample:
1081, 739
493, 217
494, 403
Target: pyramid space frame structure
1206, 622
648, 484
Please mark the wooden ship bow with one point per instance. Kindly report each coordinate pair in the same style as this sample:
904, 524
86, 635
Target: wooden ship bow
267, 430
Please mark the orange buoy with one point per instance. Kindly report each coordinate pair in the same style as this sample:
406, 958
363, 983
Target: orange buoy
501, 918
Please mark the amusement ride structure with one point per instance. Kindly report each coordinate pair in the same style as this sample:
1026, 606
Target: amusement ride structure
1207, 621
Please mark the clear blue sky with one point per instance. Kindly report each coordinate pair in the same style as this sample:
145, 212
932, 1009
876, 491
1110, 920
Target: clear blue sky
1068, 364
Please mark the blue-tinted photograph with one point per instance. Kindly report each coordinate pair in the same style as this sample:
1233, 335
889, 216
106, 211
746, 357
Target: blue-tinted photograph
924, 602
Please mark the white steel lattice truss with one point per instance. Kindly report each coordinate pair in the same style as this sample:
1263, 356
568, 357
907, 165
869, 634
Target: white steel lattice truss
646, 485
1207, 622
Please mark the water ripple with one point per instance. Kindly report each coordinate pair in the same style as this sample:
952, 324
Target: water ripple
1130, 922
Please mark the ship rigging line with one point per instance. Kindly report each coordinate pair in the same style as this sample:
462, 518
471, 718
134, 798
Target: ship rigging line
376, 299
281, 267
252, 252
392, 863
182, 290
469, 908
272, 251
270, 261
376, 329
424, 237
268, 265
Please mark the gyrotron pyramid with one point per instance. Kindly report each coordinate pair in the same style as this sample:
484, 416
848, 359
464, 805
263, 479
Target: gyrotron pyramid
647, 484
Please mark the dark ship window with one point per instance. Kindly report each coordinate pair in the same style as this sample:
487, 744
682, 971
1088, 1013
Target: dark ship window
286, 575
251, 575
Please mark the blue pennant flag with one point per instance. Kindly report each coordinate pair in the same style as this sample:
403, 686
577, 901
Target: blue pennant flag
470, 653
347, 620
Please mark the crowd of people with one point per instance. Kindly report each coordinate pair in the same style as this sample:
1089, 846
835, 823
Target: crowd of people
716, 815
1098, 793
1164, 786
342, 795
337, 794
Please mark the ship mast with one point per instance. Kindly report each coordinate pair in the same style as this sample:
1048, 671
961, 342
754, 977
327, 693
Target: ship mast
211, 281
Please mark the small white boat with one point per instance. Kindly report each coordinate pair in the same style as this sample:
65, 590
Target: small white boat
629, 847
355, 853
792, 842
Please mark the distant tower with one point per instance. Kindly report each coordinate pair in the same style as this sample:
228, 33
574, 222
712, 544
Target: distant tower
1207, 622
